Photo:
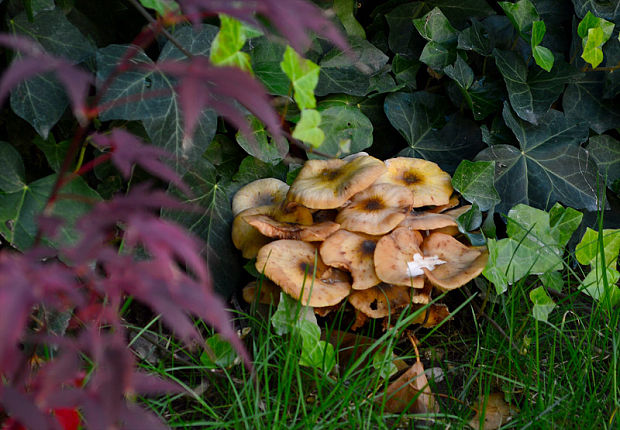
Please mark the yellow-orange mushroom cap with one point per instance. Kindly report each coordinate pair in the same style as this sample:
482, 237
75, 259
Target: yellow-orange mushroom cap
262, 192
377, 210
355, 253
392, 253
292, 264
381, 300
328, 184
429, 184
463, 263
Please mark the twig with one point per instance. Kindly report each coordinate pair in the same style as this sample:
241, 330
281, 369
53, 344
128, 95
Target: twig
163, 30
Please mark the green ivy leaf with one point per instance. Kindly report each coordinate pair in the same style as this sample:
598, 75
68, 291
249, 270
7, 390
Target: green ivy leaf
583, 101
402, 35
508, 262
345, 10
42, 100
543, 304
522, 14
548, 167
460, 12
341, 75
538, 32
263, 146
543, 57
474, 180
563, 222
12, 178
162, 7
212, 224
435, 27
226, 47
605, 9
437, 55
304, 75
33, 7
606, 151
461, 73
266, 56
342, 126
20, 209
55, 152
591, 21
552, 280
477, 38
405, 70
592, 52
531, 93
595, 286
252, 169
307, 129
588, 249
221, 353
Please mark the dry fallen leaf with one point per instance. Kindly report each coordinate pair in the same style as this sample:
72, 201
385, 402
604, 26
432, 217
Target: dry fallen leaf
496, 413
411, 385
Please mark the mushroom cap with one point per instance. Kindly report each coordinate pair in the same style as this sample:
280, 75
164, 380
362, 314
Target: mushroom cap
381, 300
392, 253
423, 296
463, 263
355, 253
454, 202
429, 184
262, 192
249, 240
286, 230
268, 292
328, 184
376, 210
426, 221
437, 312
291, 265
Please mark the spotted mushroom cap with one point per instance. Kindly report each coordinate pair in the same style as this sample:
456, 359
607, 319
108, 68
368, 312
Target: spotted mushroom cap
381, 300
463, 263
355, 253
392, 253
376, 210
429, 184
291, 265
262, 192
328, 184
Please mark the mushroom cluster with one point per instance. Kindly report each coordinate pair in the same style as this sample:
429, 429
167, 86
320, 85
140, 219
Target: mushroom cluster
381, 234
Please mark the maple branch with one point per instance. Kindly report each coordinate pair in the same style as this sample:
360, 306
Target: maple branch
163, 30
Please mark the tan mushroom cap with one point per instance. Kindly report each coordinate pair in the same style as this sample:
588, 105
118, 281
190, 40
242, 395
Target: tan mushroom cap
392, 253
291, 265
283, 230
262, 192
457, 212
266, 293
381, 300
423, 296
429, 184
376, 210
463, 263
328, 184
249, 240
427, 221
355, 253
454, 202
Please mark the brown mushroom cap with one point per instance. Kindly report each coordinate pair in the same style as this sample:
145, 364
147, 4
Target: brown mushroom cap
429, 184
392, 253
376, 210
454, 202
283, 230
381, 300
249, 240
291, 265
463, 263
262, 192
355, 253
423, 296
267, 291
437, 312
427, 221
328, 184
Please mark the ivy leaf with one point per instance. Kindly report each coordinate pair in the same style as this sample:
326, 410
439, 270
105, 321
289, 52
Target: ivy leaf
532, 93
304, 75
20, 209
605, 9
543, 304
606, 151
212, 223
563, 222
420, 118
460, 12
266, 56
522, 14
583, 101
162, 7
252, 169
508, 262
12, 168
33, 7
405, 70
461, 73
477, 38
543, 56
226, 47
55, 152
346, 129
474, 180
592, 52
548, 167
222, 355
437, 55
588, 249
42, 100
341, 75
344, 10
442, 39
261, 145
402, 35
307, 129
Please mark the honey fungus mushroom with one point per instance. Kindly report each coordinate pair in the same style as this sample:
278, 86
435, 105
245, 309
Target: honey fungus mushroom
297, 268
392, 254
429, 184
328, 184
355, 253
381, 300
288, 230
376, 210
463, 263
262, 192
